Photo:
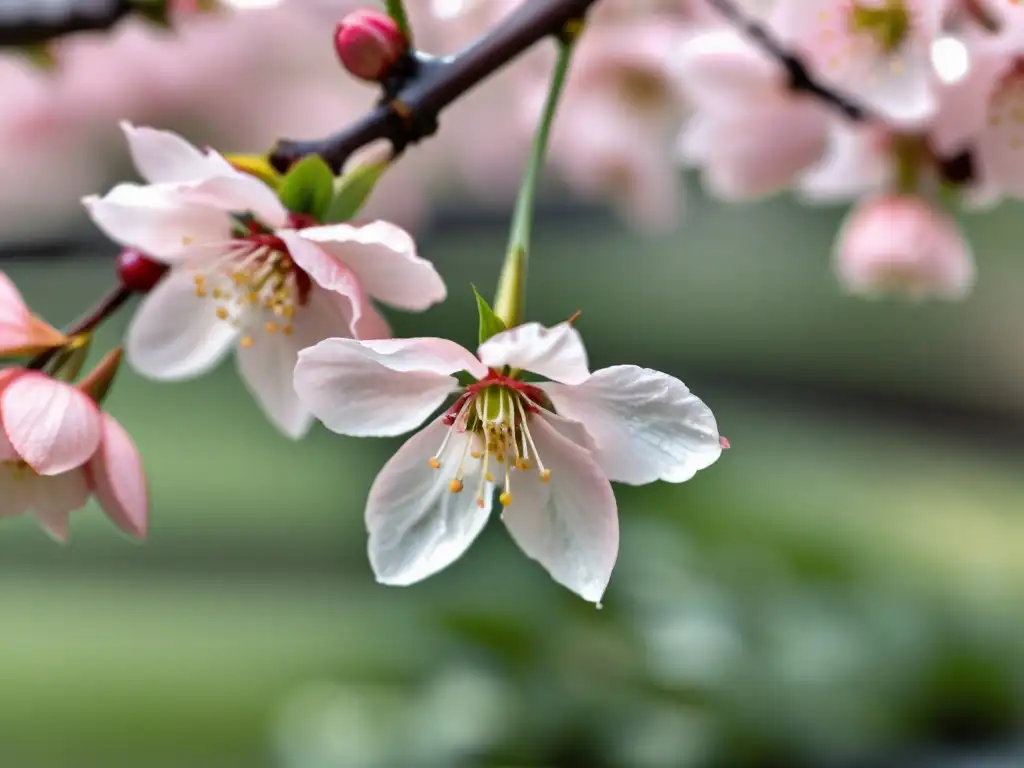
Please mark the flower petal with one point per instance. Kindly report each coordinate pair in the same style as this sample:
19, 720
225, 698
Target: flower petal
175, 335
556, 353
569, 525
238, 193
266, 368
378, 388
332, 275
55, 498
163, 157
155, 221
646, 424
417, 525
118, 480
21, 332
53, 427
383, 257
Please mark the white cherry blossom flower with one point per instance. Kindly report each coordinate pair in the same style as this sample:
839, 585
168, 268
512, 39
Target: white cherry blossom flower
248, 275
552, 447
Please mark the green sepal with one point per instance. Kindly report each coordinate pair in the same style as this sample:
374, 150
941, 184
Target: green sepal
308, 187
351, 192
98, 383
67, 363
41, 57
490, 323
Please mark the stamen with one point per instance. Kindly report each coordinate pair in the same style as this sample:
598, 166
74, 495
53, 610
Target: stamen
545, 474
455, 486
435, 461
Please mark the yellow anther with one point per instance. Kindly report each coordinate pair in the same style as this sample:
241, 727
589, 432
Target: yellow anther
455, 486
288, 330
200, 292
489, 477
545, 476
222, 312
480, 502
476, 454
246, 342
501, 458
435, 463
522, 464
505, 499
186, 241
270, 327
200, 279
254, 298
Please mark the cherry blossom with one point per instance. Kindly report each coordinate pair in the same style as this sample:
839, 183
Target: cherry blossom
248, 275
57, 449
900, 244
552, 447
22, 332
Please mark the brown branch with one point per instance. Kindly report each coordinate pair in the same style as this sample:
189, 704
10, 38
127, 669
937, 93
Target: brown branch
26, 23
91, 320
413, 103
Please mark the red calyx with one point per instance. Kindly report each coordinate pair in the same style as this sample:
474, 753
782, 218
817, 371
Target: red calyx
369, 43
137, 272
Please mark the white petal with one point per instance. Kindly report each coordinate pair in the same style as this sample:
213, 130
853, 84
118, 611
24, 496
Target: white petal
237, 193
417, 525
55, 498
175, 335
384, 259
162, 157
378, 388
569, 525
647, 425
902, 90
155, 221
266, 368
556, 353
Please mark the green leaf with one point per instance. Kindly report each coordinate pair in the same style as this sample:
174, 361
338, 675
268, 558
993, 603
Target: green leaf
352, 190
308, 187
490, 323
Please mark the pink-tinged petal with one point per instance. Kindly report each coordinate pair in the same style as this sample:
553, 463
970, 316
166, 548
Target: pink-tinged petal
238, 193
902, 90
556, 353
21, 332
332, 275
417, 525
156, 222
175, 335
723, 70
646, 424
266, 368
55, 498
569, 525
379, 388
118, 480
52, 426
902, 245
383, 258
162, 157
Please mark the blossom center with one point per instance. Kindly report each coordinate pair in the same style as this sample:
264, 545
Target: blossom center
256, 283
494, 414
888, 23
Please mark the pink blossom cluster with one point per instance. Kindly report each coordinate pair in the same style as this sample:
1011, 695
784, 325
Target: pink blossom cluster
936, 85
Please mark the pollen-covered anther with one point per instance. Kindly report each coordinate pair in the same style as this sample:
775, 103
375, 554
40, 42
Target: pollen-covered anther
505, 498
435, 463
545, 476
455, 486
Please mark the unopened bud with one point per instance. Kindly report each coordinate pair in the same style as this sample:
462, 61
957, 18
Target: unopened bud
369, 43
97, 384
137, 272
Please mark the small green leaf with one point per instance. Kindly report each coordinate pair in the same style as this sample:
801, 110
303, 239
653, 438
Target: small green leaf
308, 187
68, 362
352, 190
490, 323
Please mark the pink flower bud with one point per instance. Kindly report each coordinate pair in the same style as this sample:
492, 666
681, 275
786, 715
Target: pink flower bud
137, 272
902, 245
369, 43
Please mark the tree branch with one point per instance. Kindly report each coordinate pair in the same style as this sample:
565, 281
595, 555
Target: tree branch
25, 23
800, 78
412, 104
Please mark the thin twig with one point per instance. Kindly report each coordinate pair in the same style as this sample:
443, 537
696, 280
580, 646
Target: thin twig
32, 23
104, 308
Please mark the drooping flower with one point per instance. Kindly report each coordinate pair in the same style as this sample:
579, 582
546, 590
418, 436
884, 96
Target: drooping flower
902, 245
247, 274
551, 447
57, 449
21, 331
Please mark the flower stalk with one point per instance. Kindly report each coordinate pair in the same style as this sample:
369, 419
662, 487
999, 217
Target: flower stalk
510, 299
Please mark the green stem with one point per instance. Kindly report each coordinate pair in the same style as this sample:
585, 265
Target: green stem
510, 300
396, 10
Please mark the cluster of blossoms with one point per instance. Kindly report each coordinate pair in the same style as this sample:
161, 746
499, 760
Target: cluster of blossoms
924, 109
230, 267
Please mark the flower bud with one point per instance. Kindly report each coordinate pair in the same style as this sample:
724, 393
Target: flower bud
903, 245
369, 43
137, 272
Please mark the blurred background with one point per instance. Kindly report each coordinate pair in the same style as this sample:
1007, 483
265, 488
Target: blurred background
843, 589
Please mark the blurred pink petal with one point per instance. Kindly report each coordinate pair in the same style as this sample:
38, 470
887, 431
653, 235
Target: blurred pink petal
118, 480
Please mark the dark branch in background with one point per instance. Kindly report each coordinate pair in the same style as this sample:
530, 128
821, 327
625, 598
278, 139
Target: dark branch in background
26, 23
800, 78
413, 102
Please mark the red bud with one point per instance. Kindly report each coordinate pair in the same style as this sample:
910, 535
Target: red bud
369, 43
137, 272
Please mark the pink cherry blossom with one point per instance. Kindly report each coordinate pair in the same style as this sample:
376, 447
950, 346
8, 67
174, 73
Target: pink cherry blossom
878, 51
57, 449
21, 332
280, 286
901, 244
552, 447
752, 135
